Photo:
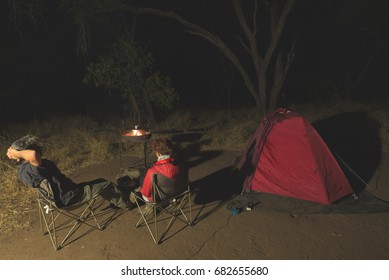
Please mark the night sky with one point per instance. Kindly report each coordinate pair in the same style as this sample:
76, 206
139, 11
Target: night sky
338, 42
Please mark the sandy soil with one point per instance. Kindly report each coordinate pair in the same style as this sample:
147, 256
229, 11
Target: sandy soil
276, 228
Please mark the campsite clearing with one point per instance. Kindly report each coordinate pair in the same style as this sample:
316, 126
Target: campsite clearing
263, 233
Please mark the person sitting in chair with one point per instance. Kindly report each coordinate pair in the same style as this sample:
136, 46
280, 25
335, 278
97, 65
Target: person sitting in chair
33, 169
165, 165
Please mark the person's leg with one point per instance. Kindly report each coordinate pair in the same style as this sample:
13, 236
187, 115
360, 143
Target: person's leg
109, 191
83, 196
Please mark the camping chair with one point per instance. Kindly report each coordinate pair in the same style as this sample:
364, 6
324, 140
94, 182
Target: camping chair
49, 213
169, 196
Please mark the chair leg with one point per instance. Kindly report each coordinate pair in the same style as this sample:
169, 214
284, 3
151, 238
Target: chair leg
181, 205
48, 219
80, 220
93, 215
48, 227
89, 211
144, 218
154, 198
190, 210
175, 214
53, 234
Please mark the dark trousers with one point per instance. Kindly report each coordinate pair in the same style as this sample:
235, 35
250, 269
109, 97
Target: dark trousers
106, 189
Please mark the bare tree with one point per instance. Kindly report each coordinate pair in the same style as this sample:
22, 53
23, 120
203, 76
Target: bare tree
271, 66
32, 11
263, 76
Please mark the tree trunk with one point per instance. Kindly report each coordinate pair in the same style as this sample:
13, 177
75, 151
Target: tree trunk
149, 108
135, 109
260, 88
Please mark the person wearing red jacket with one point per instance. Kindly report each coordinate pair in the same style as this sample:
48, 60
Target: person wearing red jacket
165, 165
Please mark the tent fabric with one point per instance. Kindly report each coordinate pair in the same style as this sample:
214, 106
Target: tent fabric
287, 157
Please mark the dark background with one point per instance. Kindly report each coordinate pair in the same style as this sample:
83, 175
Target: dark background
41, 74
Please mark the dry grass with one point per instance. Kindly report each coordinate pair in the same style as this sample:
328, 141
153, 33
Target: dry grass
71, 143
79, 141
15, 200
224, 129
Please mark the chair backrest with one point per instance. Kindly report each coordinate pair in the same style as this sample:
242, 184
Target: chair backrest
166, 188
44, 189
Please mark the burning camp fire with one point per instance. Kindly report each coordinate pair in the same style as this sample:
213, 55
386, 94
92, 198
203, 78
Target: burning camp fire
136, 134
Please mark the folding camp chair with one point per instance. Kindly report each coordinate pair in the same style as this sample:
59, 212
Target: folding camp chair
49, 212
169, 196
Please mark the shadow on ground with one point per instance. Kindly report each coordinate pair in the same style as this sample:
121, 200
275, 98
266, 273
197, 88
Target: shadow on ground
218, 186
216, 190
354, 140
189, 149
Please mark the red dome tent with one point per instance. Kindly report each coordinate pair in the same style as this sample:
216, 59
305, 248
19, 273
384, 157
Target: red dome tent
286, 156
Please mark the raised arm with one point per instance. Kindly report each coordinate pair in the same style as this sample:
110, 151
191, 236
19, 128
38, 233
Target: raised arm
32, 156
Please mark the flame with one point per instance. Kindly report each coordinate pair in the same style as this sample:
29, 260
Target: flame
137, 132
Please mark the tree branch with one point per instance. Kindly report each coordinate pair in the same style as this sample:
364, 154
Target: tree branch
240, 40
201, 32
278, 28
257, 59
255, 16
281, 72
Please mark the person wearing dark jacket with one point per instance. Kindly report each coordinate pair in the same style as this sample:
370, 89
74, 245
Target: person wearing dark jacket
33, 169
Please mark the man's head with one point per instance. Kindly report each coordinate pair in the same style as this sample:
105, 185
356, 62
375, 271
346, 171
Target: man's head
28, 142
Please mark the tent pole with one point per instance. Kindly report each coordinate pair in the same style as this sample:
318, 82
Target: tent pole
352, 170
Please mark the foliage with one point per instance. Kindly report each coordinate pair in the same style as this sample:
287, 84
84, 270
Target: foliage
161, 91
126, 69
122, 68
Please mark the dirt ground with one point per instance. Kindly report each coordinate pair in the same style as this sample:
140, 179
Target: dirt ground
276, 228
